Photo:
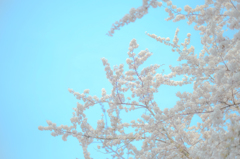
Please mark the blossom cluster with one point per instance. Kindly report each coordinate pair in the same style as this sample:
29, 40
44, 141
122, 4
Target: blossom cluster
214, 73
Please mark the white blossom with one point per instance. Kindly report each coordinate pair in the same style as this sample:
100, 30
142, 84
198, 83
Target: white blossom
86, 91
166, 133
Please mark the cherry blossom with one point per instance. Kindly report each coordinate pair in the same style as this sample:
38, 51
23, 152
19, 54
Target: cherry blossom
214, 73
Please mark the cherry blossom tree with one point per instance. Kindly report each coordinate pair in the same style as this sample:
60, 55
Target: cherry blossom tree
214, 73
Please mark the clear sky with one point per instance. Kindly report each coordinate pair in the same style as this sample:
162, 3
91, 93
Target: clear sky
49, 46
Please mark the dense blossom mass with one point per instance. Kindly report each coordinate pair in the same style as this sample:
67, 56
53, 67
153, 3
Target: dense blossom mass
214, 73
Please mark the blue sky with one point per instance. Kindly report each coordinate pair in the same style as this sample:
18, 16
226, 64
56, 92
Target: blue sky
47, 47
